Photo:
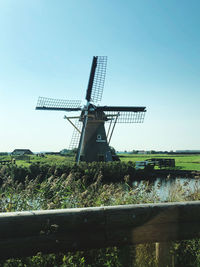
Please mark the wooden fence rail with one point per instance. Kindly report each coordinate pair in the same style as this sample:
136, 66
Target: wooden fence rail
50, 231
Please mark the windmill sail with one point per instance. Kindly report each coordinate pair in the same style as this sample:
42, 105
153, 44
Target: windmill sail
97, 79
75, 135
126, 117
124, 114
45, 103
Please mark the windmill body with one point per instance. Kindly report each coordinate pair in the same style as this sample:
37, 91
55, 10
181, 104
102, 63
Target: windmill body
95, 144
92, 139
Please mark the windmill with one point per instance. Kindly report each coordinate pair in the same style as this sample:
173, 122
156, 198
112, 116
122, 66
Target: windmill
89, 128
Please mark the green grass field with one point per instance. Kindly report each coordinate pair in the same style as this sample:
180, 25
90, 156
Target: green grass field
183, 162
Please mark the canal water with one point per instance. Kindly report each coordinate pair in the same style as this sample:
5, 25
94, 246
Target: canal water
170, 189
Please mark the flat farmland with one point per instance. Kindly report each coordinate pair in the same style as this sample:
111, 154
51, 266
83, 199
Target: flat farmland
183, 161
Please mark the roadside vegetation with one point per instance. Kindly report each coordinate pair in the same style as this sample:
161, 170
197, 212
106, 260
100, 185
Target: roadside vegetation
183, 162
54, 182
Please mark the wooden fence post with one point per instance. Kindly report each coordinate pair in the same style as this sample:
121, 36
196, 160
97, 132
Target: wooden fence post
163, 256
127, 256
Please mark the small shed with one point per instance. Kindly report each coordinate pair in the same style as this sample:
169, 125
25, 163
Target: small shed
20, 152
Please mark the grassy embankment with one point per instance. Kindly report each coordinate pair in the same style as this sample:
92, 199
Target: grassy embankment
52, 186
183, 162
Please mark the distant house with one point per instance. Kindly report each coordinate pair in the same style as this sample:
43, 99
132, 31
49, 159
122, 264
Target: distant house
19, 152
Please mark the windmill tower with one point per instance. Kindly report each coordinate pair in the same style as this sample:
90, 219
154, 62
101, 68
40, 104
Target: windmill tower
91, 138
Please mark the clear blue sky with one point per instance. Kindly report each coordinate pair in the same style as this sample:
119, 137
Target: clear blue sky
153, 49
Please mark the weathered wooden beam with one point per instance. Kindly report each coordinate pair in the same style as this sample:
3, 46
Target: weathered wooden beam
26, 233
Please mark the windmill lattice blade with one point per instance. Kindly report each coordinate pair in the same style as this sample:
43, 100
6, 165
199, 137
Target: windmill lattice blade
58, 104
126, 117
121, 108
75, 135
99, 79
